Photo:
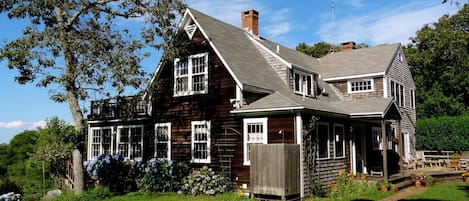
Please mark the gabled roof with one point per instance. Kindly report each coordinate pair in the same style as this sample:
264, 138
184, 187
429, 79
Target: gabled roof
364, 61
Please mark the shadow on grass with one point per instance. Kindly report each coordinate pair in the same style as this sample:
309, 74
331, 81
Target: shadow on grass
362, 200
421, 200
465, 189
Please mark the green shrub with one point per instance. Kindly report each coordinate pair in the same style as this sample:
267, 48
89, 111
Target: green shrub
7, 186
159, 175
205, 181
443, 133
101, 193
113, 172
344, 185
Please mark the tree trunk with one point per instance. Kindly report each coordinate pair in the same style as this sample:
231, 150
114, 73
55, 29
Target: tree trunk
72, 98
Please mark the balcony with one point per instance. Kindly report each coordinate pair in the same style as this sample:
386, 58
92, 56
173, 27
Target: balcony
129, 107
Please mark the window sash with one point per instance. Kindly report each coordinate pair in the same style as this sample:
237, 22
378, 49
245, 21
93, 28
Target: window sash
360, 85
163, 141
130, 142
397, 92
377, 141
254, 132
200, 142
339, 141
101, 141
191, 75
304, 83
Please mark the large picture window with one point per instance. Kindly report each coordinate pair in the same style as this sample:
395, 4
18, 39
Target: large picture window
339, 141
200, 142
100, 141
163, 141
323, 139
130, 141
191, 75
255, 132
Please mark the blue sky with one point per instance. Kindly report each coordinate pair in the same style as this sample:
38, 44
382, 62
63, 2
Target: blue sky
286, 22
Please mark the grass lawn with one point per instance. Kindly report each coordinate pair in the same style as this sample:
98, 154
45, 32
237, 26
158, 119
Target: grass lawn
370, 195
174, 197
444, 191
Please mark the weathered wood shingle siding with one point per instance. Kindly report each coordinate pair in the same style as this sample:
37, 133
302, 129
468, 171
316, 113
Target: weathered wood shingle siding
400, 71
213, 106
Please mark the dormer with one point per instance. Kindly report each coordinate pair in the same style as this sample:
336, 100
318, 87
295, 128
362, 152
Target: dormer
305, 83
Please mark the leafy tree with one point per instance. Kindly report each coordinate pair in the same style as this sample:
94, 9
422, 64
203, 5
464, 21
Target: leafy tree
322, 48
439, 58
77, 49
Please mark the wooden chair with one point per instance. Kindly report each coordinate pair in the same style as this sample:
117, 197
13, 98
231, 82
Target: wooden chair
454, 163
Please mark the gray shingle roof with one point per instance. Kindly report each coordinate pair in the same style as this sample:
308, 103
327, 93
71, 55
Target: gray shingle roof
359, 61
248, 65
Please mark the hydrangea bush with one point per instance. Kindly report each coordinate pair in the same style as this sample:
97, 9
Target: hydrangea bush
114, 172
160, 175
10, 197
205, 181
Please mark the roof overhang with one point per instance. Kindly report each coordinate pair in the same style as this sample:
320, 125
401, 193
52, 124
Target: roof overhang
378, 74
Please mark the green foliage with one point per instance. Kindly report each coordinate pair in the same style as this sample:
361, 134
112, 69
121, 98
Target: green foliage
159, 175
7, 186
443, 133
344, 185
148, 196
102, 193
439, 58
322, 48
205, 182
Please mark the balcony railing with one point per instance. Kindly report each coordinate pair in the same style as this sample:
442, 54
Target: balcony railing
128, 107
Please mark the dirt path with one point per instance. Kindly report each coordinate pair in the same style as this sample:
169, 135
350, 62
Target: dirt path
405, 193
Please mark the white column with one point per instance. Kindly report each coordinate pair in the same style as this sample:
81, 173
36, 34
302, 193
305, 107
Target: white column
299, 140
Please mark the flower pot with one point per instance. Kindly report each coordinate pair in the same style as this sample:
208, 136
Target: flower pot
383, 188
418, 184
394, 189
466, 179
428, 184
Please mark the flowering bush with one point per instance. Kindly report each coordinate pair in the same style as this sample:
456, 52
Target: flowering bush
418, 177
10, 197
159, 175
344, 185
114, 172
204, 181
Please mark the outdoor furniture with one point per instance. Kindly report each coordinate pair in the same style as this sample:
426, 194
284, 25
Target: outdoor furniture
454, 163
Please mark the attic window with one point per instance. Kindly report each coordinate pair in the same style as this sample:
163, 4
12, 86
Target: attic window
191, 75
190, 30
360, 85
304, 83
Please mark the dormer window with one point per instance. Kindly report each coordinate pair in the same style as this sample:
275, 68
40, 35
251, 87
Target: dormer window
304, 83
360, 85
191, 75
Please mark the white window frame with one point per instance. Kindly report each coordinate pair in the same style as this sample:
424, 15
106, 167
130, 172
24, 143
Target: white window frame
303, 86
396, 92
412, 98
100, 143
246, 141
193, 142
328, 143
129, 143
190, 76
358, 81
336, 139
377, 142
167, 142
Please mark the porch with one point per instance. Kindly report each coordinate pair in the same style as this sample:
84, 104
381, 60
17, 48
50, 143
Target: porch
118, 108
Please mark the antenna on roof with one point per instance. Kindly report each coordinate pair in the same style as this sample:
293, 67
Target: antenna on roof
332, 6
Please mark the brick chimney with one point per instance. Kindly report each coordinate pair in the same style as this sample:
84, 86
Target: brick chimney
347, 46
250, 21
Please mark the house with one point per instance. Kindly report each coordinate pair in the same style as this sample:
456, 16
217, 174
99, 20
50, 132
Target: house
229, 88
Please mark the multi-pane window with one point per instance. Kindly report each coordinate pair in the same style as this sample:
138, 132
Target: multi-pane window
362, 85
191, 75
339, 141
130, 141
163, 141
255, 132
397, 92
100, 141
323, 139
304, 83
201, 142
376, 141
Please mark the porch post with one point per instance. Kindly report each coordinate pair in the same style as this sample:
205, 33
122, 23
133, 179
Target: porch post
401, 147
385, 150
299, 141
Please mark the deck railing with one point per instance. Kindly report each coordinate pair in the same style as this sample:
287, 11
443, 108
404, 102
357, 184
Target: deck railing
118, 108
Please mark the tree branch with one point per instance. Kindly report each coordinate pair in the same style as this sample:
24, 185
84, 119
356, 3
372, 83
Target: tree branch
81, 11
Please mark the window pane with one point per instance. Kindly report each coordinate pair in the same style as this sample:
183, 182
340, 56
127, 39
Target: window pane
297, 82
198, 83
339, 141
308, 84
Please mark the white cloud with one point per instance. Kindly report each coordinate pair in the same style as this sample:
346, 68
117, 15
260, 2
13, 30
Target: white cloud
12, 124
383, 26
17, 124
277, 29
